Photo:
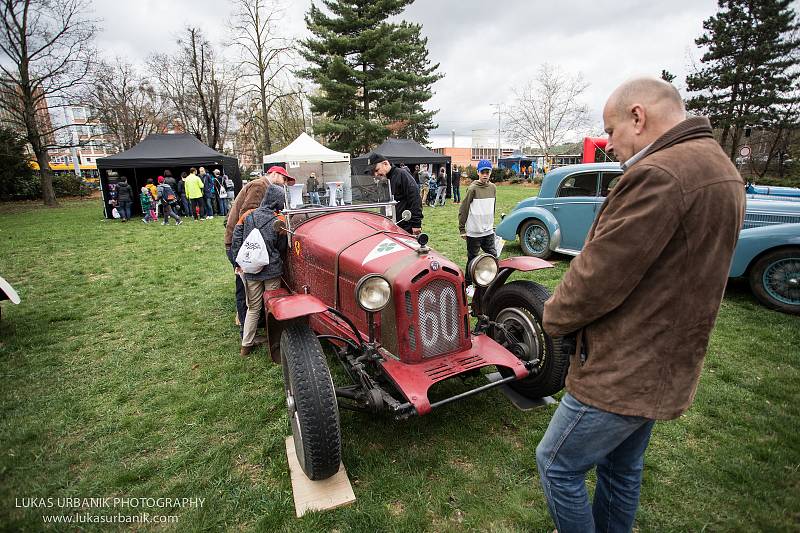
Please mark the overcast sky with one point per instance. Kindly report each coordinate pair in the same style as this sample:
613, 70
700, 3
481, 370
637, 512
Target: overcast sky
484, 49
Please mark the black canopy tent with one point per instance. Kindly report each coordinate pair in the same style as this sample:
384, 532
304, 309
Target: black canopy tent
156, 153
408, 152
402, 151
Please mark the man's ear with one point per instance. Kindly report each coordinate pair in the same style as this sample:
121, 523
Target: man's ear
639, 117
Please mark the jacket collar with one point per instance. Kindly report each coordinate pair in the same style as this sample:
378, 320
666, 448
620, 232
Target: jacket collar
691, 128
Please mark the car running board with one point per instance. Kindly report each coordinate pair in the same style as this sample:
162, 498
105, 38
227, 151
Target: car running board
520, 402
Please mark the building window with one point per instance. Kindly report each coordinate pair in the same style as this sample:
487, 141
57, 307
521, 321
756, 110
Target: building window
79, 113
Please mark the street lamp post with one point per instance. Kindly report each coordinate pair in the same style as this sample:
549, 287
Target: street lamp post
499, 116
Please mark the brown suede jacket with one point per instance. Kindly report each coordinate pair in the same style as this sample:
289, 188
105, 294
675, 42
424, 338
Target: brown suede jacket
248, 198
645, 291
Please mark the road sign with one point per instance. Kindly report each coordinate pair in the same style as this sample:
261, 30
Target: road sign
744, 151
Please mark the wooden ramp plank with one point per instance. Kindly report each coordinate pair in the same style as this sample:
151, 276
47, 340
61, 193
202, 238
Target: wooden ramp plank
330, 493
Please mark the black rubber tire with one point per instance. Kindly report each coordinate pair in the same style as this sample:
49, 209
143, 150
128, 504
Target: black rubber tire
526, 299
526, 249
314, 419
757, 280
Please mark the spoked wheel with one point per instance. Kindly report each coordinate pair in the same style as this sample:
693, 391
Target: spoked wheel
518, 307
534, 239
311, 402
775, 280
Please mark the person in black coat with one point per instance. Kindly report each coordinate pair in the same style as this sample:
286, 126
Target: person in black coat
404, 189
124, 199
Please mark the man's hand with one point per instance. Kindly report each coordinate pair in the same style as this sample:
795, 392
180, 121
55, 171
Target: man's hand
238, 270
464, 236
416, 231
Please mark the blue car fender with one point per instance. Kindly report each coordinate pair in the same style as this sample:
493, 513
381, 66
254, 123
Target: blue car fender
509, 226
755, 241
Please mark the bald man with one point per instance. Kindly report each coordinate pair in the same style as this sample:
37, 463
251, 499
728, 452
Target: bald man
640, 302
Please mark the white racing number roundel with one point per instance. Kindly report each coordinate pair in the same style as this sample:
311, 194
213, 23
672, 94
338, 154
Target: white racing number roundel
439, 318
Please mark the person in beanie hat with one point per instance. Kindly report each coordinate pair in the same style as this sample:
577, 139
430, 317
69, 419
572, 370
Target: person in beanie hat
146, 201
476, 216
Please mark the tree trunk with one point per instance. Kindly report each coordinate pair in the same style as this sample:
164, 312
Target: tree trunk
46, 176
737, 135
267, 146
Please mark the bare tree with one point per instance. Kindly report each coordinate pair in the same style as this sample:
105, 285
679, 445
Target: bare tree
547, 110
47, 45
266, 61
125, 102
171, 74
200, 91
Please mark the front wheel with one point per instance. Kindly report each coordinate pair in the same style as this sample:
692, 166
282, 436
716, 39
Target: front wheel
311, 402
775, 280
518, 308
534, 239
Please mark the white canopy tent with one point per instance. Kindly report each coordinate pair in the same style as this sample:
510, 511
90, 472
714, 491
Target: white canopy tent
305, 155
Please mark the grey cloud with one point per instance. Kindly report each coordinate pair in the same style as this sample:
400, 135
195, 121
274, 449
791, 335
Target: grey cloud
485, 49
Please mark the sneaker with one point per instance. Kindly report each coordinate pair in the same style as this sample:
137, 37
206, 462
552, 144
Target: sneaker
163, 223
178, 223
144, 220
471, 290
245, 351
209, 217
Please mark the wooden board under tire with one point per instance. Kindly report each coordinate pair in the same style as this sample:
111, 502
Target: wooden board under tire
330, 493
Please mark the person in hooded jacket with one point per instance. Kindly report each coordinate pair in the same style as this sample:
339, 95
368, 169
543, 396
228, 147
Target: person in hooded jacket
124, 199
171, 181
269, 278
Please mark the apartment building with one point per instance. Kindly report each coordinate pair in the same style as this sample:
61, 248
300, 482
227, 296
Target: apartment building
79, 136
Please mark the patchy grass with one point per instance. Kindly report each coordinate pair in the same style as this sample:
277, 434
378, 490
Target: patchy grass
121, 377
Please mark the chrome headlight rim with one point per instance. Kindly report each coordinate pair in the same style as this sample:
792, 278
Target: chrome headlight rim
489, 274
364, 283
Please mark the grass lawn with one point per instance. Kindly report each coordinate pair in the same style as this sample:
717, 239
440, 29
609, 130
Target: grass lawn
121, 378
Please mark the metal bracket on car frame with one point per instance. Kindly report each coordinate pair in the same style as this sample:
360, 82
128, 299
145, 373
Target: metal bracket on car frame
519, 401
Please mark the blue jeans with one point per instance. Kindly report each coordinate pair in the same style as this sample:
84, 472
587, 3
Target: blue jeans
456, 192
221, 201
440, 194
209, 206
124, 209
579, 438
314, 198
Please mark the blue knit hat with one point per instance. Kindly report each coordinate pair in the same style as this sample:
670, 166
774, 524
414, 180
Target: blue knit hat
484, 164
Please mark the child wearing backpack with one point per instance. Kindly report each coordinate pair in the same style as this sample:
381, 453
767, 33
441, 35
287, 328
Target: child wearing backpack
169, 201
146, 201
258, 251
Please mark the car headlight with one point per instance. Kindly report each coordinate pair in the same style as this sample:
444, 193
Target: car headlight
483, 269
373, 293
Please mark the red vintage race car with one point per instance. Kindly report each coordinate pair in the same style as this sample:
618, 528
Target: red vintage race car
397, 318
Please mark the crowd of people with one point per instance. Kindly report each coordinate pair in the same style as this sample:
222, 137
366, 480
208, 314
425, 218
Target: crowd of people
196, 193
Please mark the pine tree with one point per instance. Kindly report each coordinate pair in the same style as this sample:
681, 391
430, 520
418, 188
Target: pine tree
404, 103
750, 66
372, 74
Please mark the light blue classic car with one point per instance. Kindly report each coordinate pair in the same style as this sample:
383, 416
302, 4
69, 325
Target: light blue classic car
768, 252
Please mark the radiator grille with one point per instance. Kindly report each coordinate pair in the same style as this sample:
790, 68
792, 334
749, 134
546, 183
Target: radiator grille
756, 220
439, 318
